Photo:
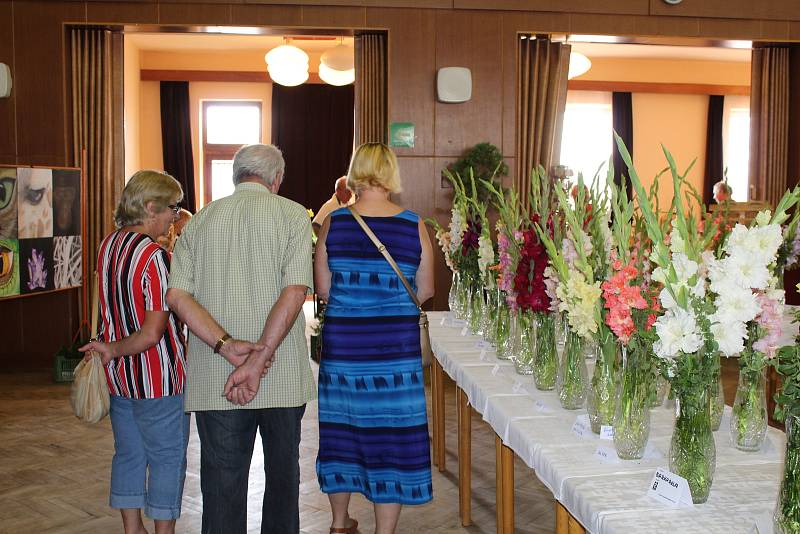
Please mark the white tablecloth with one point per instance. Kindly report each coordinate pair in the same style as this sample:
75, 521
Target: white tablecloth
606, 497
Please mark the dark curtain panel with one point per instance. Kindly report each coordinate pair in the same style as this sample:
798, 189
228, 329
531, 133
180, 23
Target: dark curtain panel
622, 111
176, 138
313, 125
714, 170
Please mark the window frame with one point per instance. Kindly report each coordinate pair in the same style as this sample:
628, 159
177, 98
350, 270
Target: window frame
218, 151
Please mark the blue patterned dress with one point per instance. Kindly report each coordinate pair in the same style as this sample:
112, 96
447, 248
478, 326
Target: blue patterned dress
373, 426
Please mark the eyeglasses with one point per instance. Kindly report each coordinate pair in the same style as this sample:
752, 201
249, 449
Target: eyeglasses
175, 209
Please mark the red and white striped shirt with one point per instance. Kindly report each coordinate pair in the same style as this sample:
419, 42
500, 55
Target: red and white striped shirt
133, 275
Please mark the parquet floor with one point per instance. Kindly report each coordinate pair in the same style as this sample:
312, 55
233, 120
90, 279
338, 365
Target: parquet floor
54, 473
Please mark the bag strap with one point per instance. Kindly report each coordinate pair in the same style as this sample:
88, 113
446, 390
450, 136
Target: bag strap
382, 249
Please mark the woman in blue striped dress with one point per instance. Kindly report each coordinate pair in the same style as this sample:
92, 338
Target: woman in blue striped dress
373, 426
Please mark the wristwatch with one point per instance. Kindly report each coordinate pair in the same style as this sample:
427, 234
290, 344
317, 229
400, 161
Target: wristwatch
221, 342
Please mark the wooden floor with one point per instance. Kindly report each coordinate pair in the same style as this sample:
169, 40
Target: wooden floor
54, 473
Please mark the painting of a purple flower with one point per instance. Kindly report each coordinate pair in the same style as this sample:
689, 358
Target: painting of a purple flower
37, 274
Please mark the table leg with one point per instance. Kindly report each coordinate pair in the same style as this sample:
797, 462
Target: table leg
575, 527
562, 519
434, 414
508, 489
438, 373
464, 457
498, 481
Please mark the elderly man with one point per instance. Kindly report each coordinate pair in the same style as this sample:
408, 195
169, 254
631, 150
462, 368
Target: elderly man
240, 271
342, 196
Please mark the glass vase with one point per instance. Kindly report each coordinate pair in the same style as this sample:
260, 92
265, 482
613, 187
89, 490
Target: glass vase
787, 512
602, 397
572, 376
692, 452
489, 309
476, 308
452, 296
717, 401
526, 331
632, 416
657, 389
544, 357
512, 340
749, 418
464, 297
501, 326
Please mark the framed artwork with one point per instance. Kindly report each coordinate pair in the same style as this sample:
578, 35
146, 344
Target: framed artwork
41, 234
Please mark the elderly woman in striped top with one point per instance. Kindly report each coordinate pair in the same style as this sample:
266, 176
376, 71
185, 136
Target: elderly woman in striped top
142, 348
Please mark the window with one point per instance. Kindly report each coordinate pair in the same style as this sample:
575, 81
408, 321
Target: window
586, 139
736, 144
227, 125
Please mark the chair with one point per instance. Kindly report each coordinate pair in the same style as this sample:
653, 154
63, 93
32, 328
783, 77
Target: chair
741, 212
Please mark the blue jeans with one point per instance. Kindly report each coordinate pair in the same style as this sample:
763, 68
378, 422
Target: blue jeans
227, 438
149, 435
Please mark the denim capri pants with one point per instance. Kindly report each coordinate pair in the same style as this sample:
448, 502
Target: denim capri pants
149, 465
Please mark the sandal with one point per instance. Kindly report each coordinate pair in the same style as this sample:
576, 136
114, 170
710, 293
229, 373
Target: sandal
352, 529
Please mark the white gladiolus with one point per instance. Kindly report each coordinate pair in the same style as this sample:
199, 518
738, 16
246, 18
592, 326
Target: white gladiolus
677, 332
485, 253
729, 337
736, 304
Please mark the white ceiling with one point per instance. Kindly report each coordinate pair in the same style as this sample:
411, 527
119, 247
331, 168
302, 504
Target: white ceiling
643, 51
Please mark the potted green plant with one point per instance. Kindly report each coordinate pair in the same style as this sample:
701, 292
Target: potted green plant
486, 162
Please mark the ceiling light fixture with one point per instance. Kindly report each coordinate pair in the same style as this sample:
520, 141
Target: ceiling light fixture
578, 64
337, 65
287, 65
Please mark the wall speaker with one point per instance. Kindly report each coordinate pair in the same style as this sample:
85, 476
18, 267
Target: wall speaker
5, 80
453, 84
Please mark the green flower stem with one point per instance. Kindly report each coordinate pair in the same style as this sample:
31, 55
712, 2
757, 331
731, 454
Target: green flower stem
544, 359
603, 394
787, 514
572, 374
632, 419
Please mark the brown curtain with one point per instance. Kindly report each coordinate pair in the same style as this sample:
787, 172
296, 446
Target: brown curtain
96, 68
714, 157
769, 123
371, 88
542, 94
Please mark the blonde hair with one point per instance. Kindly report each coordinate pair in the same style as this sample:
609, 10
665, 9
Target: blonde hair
374, 165
143, 187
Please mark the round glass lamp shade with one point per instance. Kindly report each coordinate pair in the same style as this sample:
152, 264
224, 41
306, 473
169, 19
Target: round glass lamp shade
287, 65
336, 77
288, 76
340, 57
578, 64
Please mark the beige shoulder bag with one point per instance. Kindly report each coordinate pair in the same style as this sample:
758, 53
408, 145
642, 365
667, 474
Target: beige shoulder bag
424, 335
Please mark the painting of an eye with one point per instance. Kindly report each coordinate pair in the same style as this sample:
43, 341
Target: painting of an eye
6, 191
34, 196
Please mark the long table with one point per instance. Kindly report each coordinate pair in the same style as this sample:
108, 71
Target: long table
604, 496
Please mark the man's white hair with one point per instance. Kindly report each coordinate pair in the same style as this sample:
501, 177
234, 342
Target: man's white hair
264, 161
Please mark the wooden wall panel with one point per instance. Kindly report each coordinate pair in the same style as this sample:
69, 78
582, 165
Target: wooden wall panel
737, 9
672, 26
8, 127
618, 7
412, 71
194, 14
470, 39
122, 12
334, 17
419, 185
39, 82
266, 15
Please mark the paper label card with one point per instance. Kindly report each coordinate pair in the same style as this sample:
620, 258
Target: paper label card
669, 488
495, 369
482, 345
483, 356
581, 427
606, 455
607, 432
518, 387
464, 331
